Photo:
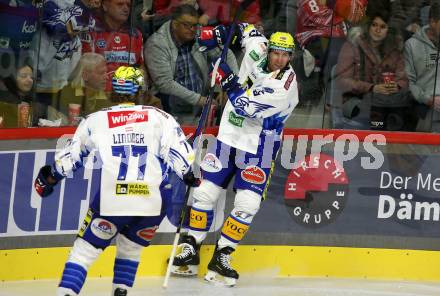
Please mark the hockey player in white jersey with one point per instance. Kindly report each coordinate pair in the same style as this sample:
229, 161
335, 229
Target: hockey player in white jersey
138, 146
261, 98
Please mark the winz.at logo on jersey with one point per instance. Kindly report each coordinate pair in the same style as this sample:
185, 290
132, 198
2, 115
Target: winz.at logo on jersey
316, 190
121, 118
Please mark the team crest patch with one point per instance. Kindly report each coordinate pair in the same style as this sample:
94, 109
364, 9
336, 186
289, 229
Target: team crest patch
147, 233
254, 175
211, 163
103, 229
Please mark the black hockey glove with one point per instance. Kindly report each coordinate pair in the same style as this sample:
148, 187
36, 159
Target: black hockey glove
45, 181
190, 180
210, 38
226, 77
213, 37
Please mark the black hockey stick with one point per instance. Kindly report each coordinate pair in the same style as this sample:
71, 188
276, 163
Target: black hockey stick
435, 80
197, 135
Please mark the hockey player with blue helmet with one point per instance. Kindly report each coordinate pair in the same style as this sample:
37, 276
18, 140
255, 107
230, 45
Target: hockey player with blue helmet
138, 147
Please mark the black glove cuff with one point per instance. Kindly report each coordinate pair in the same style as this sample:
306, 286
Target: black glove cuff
48, 171
190, 180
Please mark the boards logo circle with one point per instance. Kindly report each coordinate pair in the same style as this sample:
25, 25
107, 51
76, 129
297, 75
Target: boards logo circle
316, 190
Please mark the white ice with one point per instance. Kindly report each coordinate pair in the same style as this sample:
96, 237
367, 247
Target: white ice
247, 285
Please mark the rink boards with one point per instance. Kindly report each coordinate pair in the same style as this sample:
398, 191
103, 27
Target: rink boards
270, 261
339, 205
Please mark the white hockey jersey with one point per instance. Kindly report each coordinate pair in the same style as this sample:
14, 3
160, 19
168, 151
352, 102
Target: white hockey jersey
59, 50
273, 94
136, 146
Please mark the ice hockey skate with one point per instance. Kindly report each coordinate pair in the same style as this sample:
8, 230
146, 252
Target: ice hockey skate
120, 292
220, 271
187, 262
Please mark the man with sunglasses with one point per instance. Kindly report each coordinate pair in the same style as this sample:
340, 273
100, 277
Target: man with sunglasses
178, 69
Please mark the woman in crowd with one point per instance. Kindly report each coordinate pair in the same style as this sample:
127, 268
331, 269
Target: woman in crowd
16, 96
371, 74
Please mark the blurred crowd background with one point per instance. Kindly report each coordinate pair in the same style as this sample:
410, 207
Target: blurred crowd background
360, 64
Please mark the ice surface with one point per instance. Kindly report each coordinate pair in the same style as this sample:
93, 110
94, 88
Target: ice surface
247, 285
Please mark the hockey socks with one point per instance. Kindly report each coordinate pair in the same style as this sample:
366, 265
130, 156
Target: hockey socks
124, 272
233, 231
200, 220
74, 276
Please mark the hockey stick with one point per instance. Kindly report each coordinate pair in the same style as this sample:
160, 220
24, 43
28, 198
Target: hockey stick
435, 81
197, 135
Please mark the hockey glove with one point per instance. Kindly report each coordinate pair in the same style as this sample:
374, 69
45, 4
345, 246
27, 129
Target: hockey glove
226, 78
190, 180
45, 181
211, 37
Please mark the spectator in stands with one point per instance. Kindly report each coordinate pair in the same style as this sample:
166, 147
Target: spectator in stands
16, 96
113, 37
85, 94
424, 12
279, 15
421, 56
223, 11
321, 30
371, 74
60, 45
405, 16
151, 15
178, 69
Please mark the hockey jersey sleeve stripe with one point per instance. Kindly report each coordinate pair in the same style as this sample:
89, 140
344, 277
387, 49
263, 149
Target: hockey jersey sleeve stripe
179, 156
